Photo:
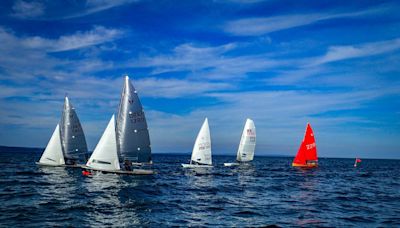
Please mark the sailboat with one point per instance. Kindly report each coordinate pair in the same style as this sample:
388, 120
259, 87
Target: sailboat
356, 162
133, 140
247, 144
105, 156
307, 155
201, 154
67, 145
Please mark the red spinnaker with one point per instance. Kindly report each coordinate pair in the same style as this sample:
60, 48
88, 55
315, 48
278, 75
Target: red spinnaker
307, 154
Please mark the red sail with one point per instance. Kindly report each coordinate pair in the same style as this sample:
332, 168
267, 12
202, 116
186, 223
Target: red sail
307, 150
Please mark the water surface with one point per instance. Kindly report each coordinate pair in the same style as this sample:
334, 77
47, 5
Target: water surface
266, 192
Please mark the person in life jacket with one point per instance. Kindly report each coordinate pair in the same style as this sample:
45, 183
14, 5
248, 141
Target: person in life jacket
86, 173
128, 165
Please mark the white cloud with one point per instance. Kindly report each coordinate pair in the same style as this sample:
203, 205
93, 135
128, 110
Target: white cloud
28, 10
337, 53
94, 6
44, 10
212, 63
264, 25
309, 68
80, 39
280, 118
175, 88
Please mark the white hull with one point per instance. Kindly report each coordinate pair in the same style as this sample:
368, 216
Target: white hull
68, 166
133, 172
142, 164
196, 166
231, 164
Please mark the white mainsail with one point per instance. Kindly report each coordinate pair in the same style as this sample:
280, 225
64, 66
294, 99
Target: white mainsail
105, 155
202, 147
53, 154
247, 142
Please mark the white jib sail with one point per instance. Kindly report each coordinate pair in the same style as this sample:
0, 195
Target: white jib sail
202, 147
247, 142
105, 156
53, 154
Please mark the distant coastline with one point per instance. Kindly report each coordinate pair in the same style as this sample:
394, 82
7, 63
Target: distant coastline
19, 149
39, 150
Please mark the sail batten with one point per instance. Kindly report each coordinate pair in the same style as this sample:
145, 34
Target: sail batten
133, 138
72, 135
247, 142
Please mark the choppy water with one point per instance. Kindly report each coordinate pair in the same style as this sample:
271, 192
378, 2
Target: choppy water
265, 193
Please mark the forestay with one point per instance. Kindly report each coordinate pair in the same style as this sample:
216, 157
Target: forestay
247, 142
105, 155
132, 132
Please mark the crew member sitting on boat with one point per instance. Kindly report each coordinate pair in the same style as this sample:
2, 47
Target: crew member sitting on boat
128, 165
197, 162
70, 161
311, 162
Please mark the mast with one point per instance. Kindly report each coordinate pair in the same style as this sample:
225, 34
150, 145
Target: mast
72, 137
133, 138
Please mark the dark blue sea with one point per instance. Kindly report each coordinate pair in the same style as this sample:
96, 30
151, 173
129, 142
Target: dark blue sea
267, 192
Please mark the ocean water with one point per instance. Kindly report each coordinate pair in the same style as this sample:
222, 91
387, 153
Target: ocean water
266, 192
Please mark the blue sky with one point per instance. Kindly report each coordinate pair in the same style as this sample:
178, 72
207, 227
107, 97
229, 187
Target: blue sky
335, 64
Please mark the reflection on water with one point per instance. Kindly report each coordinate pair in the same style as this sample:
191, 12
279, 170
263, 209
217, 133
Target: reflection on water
265, 192
117, 200
305, 195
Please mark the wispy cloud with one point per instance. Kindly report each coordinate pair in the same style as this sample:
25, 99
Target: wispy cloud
311, 66
175, 88
53, 10
337, 53
94, 6
27, 10
80, 39
264, 25
37, 49
210, 62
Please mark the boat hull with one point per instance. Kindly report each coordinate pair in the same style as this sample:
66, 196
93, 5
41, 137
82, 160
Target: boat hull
123, 172
231, 164
67, 166
196, 166
304, 165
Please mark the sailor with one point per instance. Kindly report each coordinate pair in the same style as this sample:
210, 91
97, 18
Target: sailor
70, 161
86, 173
128, 165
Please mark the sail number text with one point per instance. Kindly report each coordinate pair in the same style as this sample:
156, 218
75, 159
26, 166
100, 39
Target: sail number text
203, 146
136, 117
310, 146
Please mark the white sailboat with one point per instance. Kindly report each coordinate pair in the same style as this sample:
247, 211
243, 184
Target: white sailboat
67, 145
247, 144
201, 154
53, 155
105, 155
